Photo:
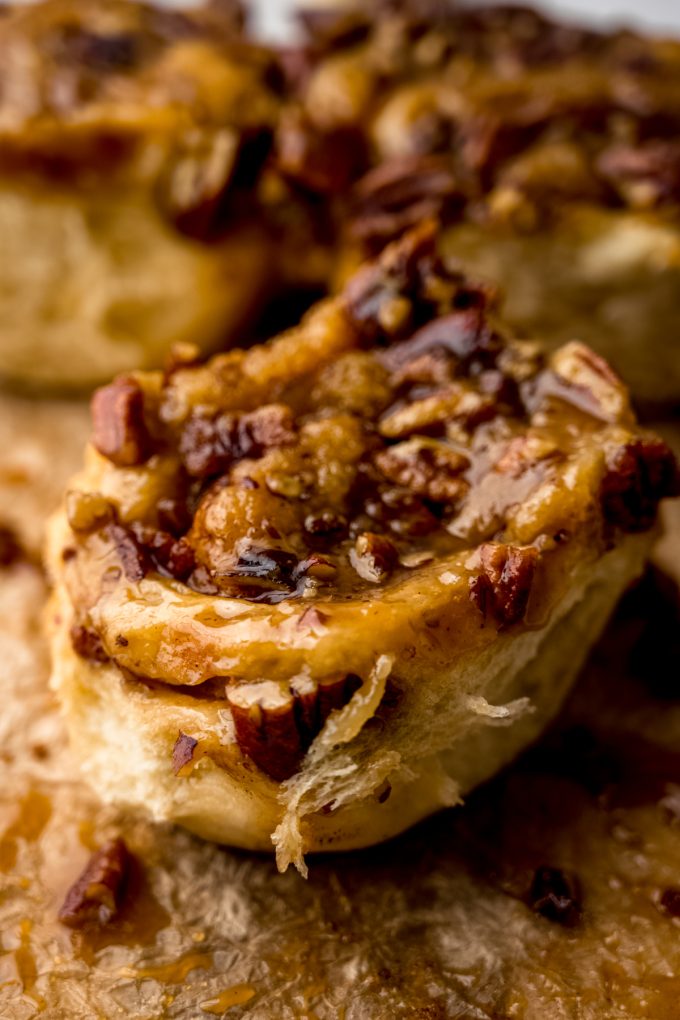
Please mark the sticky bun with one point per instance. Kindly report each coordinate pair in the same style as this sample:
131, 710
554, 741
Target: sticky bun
131, 142
550, 150
314, 591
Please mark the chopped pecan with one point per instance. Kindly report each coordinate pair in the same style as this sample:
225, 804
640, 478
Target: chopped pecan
325, 526
523, 452
196, 192
88, 511
87, 643
278, 566
645, 174
133, 556
670, 901
400, 194
502, 588
638, 475
183, 753
555, 897
381, 297
463, 335
333, 27
323, 162
10, 547
104, 53
427, 468
173, 556
457, 403
402, 512
198, 181
374, 557
119, 429
591, 383
276, 723
209, 446
96, 897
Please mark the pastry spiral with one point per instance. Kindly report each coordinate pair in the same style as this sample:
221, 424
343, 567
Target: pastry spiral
131, 143
316, 590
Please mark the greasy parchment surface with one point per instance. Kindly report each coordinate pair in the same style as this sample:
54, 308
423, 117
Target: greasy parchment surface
433, 925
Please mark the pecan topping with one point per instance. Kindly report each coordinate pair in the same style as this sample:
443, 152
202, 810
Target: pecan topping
638, 475
555, 897
275, 723
503, 587
209, 446
459, 403
324, 162
173, 556
10, 548
428, 469
463, 337
95, 898
198, 182
523, 452
183, 753
373, 557
590, 383
670, 901
402, 193
87, 511
119, 428
645, 174
381, 296
87, 644
133, 556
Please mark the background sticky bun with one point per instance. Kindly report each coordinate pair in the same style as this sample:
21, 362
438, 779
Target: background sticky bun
550, 150
131, 143
315, 590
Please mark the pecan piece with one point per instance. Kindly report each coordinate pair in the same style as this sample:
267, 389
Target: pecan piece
380, 296
637, 477
87, 511
428, 469
400, 194
276, 723
555, 897
323, 162
374, 557
96, 896
87, 643
119, 429
502, 588
10, 547
133, 556
670, 901
183, 753
173, 556
463, 335
591, 383
209, 446
645, 174
459, 403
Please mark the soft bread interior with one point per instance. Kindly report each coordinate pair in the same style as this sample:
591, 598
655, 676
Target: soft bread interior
365, 778
93, 283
